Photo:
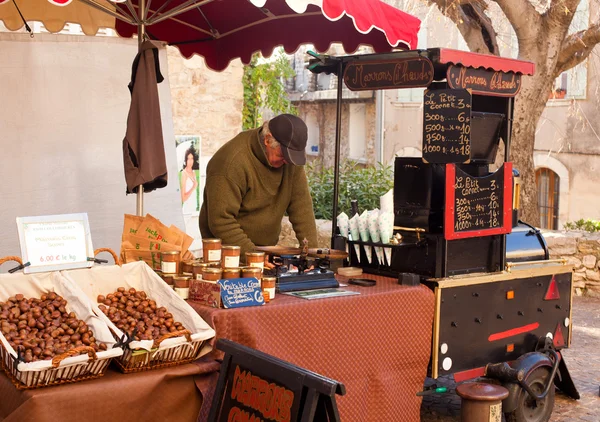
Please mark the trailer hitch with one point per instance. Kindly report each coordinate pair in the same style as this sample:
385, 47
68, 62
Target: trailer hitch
507, 374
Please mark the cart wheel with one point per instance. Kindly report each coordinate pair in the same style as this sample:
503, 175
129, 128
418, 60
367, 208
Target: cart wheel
527, 409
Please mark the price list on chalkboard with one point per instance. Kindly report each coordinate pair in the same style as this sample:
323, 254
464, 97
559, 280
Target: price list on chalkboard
478, 206
447, 126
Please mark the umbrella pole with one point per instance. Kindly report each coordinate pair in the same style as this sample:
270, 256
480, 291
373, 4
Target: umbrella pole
338, 132
139, 209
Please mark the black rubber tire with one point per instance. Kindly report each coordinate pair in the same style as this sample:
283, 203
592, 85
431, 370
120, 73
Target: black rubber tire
526, 410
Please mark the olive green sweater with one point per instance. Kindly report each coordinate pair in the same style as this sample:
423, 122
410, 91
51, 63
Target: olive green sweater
245, 198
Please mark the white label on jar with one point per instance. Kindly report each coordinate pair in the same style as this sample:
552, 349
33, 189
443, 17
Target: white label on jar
271, 291
183, 292
232, 261
168, 267
496, 413
260, 265
198, 276
214, 255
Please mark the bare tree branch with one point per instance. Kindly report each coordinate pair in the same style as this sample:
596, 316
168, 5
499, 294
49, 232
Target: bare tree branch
577, 47
472, 22
476, 11
523, 17
561, 12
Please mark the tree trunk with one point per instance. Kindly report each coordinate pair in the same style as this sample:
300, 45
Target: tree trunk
521, 154
529, 106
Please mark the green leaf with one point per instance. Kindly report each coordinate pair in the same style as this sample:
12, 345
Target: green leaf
365, 184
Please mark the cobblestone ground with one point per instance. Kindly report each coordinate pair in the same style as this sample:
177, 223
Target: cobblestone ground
583, 361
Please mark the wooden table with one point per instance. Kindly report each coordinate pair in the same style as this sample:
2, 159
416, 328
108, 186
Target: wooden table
377, 343
170, 394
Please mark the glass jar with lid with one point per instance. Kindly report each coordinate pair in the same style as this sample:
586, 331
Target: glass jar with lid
230, 256
231, 273
181, 285
170, 262
255, 259
211, 250
268, 285
252, 272
212, 274
197, 269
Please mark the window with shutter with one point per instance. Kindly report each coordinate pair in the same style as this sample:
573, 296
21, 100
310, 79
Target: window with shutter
358, 132
547, 183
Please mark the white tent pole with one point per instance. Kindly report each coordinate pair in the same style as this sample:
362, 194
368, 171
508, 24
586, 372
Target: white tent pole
141, 33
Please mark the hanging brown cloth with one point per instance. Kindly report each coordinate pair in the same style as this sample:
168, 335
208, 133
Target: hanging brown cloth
143, 147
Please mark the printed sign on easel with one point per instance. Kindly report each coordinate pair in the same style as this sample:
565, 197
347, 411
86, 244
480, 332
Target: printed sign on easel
254, 386
55, 242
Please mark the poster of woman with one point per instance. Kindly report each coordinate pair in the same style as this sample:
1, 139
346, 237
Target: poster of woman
188, 151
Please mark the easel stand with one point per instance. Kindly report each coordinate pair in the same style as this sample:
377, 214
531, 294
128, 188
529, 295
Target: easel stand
253, 384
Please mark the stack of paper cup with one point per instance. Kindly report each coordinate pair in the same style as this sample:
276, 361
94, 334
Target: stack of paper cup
353, 223
363, 229
373, 222
386, 231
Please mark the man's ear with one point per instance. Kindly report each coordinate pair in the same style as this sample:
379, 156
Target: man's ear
269, 140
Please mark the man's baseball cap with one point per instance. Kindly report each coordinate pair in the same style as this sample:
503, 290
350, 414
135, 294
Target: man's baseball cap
291, 132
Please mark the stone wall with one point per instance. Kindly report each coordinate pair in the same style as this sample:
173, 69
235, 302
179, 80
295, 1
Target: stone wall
582, 250
287, 237
205, 102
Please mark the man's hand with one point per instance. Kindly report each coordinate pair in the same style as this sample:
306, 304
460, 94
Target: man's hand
268, 265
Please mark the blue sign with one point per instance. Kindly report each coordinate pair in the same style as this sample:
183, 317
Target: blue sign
240, 292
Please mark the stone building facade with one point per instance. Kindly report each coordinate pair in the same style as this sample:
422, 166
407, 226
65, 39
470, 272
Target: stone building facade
205, 102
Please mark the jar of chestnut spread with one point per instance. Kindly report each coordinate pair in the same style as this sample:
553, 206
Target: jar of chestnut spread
211, 250
231, 273
170, 262
197, 269
181, 286
212, 274
230, 256
268, 285
255, 259
252, 272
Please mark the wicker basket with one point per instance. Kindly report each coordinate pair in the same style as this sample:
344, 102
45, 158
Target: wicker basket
26, 380
111, 252
181, 347
66, 368
139, 360
11, 258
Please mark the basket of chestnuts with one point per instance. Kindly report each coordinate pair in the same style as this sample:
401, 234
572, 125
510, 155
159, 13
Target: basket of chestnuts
49, 334
156, 327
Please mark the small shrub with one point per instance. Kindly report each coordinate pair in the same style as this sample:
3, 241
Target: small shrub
585, 225
365, 184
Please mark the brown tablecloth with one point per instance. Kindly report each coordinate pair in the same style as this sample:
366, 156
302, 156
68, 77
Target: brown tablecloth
377, 343
170, 394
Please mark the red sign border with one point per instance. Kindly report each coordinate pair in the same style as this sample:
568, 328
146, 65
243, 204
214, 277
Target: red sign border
449, 211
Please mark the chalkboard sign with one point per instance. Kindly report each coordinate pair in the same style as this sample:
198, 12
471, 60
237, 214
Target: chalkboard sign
477, 206
447, 126
240, 292
254, 386
482, 81
389, 74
